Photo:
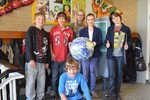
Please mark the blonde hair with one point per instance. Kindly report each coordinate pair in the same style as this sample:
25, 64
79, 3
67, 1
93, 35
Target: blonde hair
76, 20
39, 14
71, 63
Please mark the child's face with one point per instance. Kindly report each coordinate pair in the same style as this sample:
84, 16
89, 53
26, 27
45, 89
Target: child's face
90, 20
39, 21
116, 20
80, 16
72, 72
61, 21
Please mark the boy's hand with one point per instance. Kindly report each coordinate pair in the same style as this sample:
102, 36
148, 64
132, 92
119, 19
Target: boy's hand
48, 71
46, 66
53, 57
107, 44
69, 44
126, 46
32, 63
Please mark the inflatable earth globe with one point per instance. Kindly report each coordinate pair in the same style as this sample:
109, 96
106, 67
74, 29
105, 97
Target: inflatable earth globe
81, 48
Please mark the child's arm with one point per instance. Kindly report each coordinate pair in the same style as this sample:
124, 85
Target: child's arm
85, 88
63, 97
32, 63
61, 87
51, 45
52, 54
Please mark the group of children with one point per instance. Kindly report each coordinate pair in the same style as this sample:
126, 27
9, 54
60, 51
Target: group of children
43, 50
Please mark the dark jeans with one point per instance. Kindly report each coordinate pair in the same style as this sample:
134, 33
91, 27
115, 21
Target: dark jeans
57, 68
115, 75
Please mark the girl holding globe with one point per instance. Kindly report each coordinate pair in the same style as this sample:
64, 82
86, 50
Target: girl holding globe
89, 66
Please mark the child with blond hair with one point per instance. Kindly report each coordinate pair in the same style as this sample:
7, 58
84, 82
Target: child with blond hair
37, 53
70, 81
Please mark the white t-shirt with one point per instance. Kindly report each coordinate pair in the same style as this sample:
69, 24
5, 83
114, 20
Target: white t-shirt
90, 35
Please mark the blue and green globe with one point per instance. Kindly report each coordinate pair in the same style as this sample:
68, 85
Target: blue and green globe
81, 48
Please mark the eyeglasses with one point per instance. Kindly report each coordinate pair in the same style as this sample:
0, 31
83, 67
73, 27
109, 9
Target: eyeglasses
80, 15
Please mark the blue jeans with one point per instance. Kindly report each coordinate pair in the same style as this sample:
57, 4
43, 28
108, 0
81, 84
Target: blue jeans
115, 75
57, 68
89, 72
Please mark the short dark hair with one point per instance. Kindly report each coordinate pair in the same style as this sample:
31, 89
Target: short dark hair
116, 14
61, 14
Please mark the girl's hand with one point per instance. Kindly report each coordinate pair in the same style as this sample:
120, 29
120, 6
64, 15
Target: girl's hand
94, 43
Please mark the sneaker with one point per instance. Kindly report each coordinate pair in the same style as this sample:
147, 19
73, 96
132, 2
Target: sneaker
94, 94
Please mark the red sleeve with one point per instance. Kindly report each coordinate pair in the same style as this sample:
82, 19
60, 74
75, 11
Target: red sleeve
71, 36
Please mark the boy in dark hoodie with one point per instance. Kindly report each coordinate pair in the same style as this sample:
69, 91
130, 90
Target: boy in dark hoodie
37, 53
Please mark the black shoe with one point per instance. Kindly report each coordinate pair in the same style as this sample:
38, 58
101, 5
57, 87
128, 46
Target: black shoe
53, 94
118, 96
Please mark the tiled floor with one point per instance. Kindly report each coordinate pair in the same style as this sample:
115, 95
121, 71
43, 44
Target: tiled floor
129, 91
99, 88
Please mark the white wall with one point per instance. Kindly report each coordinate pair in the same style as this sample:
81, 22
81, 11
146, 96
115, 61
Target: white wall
89, 6
148, 32
142, 29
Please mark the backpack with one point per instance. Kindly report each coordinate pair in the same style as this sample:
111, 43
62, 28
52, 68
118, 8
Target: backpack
138, 46
138, 58
129, 70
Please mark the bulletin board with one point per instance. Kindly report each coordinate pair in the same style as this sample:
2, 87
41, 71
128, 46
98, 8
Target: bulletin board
51, 8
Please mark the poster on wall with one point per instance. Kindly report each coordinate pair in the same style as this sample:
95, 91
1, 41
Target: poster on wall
51, 8
77, 4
